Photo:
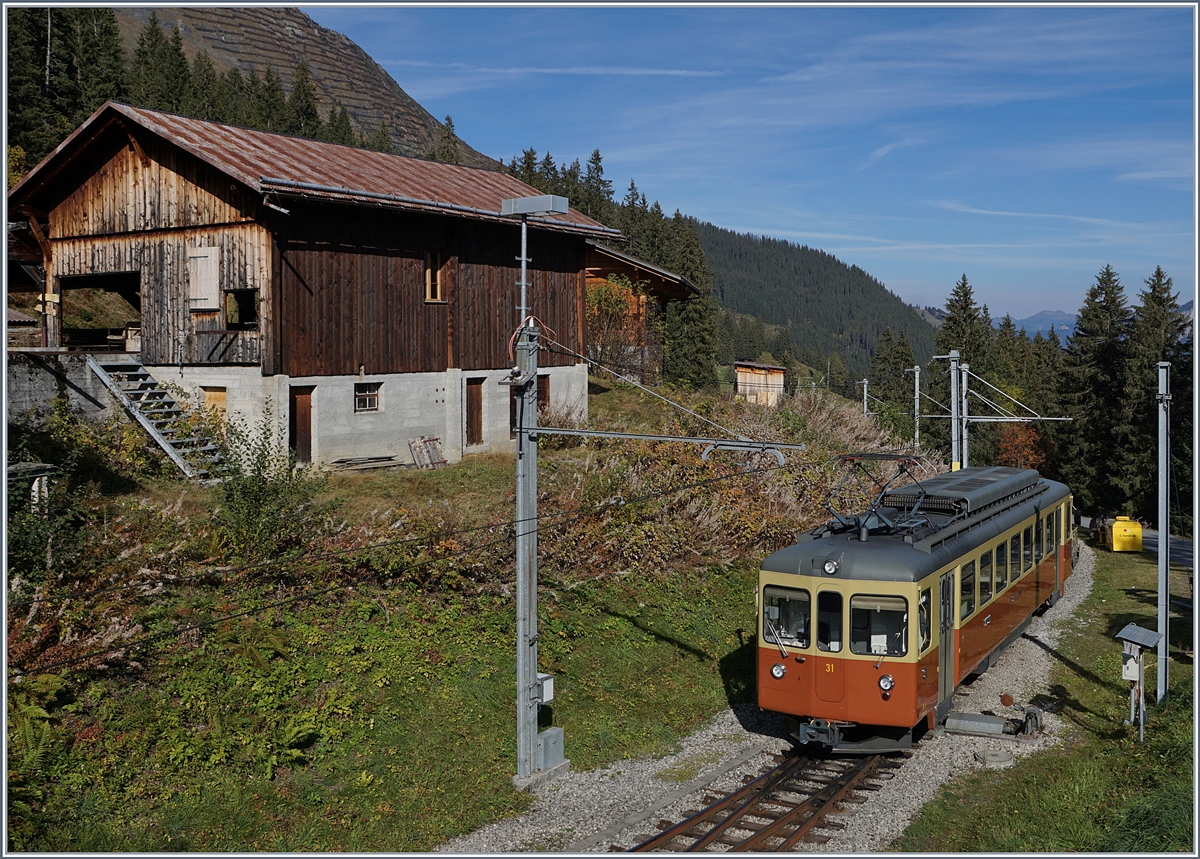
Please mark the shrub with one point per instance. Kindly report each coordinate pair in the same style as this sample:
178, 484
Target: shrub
267, 500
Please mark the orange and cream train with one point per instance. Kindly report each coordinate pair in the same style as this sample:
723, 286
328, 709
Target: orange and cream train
868, 623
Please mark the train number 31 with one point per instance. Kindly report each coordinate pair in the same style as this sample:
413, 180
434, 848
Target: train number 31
828, 667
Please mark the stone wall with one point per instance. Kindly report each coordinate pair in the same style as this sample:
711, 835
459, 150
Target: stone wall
36, 377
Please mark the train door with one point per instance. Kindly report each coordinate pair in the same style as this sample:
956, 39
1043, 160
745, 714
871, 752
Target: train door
946, 645
830, 685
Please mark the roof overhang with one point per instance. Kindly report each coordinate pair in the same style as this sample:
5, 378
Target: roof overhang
661, 282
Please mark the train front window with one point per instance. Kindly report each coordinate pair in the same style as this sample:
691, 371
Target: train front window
786, 613
878, 625
829, 621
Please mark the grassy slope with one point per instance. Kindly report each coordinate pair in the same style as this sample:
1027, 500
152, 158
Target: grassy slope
1101, 790
379, 717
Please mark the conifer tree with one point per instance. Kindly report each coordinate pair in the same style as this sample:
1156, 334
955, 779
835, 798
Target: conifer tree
690, 335
380, 140
595, 199
1093, 372
1158, 332
338, 128
268, 102
205, 90
301, 116
446, 150
525, 168
97, 60
41, 90
233, 98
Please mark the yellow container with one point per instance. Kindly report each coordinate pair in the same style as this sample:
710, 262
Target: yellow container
1123, 535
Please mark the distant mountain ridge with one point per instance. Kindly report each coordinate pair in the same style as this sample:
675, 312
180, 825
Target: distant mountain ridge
261, 37
830, 307
1043, 321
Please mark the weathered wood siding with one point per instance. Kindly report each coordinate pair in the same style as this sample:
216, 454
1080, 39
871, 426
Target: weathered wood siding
134, 217
352, 289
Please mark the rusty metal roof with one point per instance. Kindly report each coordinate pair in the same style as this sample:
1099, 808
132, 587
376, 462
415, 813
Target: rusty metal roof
284, 166
19, 318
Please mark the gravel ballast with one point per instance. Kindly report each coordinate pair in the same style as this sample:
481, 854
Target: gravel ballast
619, 805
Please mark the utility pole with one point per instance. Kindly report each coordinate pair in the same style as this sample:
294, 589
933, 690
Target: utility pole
965, 370
955, 459
916, 371
538, 758
864, 384
1164, 527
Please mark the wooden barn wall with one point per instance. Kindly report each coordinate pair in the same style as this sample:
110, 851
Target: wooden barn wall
170, 333
352, 285
171, 190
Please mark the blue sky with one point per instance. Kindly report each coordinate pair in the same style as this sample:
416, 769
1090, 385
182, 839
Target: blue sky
1026, 147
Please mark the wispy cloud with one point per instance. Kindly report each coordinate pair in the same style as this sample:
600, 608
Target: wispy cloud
517, 71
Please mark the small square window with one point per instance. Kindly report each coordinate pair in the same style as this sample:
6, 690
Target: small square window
366, 396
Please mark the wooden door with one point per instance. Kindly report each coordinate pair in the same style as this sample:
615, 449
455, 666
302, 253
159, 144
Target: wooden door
300, 422
474, 412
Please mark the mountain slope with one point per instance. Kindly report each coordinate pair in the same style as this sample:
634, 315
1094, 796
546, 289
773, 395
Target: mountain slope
831, 307
259, 37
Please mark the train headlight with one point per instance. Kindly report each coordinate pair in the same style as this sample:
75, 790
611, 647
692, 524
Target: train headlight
831, 567
886, 682
778, 670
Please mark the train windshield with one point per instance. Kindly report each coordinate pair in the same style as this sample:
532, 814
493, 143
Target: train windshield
878, 625
786, 613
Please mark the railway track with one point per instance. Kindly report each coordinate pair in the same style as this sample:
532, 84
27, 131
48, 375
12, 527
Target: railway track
777, 810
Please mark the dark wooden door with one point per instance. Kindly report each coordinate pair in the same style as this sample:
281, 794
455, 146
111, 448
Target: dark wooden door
474, 411
300, 422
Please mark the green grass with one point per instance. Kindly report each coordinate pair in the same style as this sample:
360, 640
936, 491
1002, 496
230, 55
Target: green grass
378, 721
1101, 790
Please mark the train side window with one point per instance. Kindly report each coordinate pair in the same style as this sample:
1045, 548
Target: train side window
1014, 558
985, 577
1055, 524
925, 619
1001, 567
966, 589
786, 614
878, 625
829, 621
1027, 555
1038, 539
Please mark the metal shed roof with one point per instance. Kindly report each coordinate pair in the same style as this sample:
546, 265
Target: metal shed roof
291, 166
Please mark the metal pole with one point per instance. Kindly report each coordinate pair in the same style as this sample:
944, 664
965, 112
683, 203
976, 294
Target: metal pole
965, 370
864, 384
1164, 527
526, 529
955, 461
917, 407
524, 259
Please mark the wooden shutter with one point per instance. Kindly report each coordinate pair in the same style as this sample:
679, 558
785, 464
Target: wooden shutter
203, 273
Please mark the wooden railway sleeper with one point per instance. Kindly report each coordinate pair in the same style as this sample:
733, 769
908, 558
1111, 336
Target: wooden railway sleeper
815, 809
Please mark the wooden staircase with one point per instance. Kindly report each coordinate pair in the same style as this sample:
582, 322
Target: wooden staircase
153, 407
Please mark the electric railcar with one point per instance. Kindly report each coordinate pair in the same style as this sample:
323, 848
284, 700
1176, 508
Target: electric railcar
868, 623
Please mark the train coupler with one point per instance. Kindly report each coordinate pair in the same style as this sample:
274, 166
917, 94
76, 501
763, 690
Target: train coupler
819, 731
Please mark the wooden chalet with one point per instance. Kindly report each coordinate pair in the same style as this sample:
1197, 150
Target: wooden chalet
368, 297
654, 286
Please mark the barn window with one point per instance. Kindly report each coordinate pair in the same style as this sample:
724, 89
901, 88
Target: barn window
436, 276
366, 396
241, 309
203, 274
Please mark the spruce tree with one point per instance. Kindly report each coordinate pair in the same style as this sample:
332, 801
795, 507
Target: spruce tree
380, 140
690, 335
525, 168
268, 102
97, 60
1093, 392
595, 199
446, 150
1157, 332
301, 116
338, 128
42, 94
206, 96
